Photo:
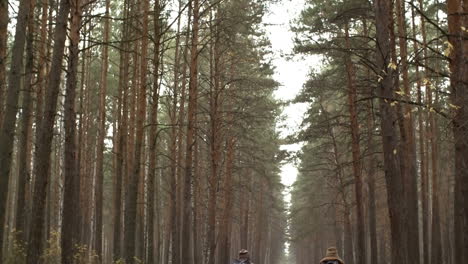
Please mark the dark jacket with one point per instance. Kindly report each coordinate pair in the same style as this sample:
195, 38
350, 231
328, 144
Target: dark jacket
236, 261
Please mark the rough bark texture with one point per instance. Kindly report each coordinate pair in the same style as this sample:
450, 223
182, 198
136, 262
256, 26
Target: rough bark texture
42, 157
226, 220
25, 139
71, 216
422, 146
191, 111
153, 256
7, 127
410, 177
99, 190
459, 97
389, 129
176, 183
361, 256
120, 170
134, 179
3, 52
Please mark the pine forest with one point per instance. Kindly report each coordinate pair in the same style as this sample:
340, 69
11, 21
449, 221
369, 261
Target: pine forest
233, 131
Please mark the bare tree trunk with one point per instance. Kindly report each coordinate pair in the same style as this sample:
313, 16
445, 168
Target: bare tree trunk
226, 221
197, 245
388, 129
120, 171
422, 148
214, 135
42, 158
153, 142
361, 256
134, 179
459, 99
410, 176
99, 174
192, 108
175, 182
7, 127
3, 54
245, 210
70, 227
25, 139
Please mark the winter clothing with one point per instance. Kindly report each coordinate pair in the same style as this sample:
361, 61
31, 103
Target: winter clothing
243, 257
332, 254
247, 261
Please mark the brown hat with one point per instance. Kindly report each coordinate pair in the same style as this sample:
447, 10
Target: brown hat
332, 254
243, 252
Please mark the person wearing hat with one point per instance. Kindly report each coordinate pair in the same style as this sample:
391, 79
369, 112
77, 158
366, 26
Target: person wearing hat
332, 257
244, 257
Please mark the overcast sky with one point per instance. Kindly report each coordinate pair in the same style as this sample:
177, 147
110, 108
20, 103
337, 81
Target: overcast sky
291, 73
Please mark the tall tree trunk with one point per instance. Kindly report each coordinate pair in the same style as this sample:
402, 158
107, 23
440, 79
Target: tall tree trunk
214, 133
388, 128
122, 135
3, 54
192, 108
348, 234
7, 127
361, 256
42, 158
153, 143
134, 178
197, 245
25, 139
226, 221
457, 23
371, 182
99, 174
436, 241
70, 227
422, 148
410, 177
175, 182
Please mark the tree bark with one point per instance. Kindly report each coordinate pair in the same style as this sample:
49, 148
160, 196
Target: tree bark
134, 179
99, 174
410, 177
361, 256
25, 139
71, 216
388, 128
153, 142
459, 99
175, 182
7, 127
3, 54
191, 111
120, 170
225, 229
43, 151
422, 147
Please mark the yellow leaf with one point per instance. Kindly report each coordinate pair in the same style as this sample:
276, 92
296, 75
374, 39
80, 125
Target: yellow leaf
393, 103
464, 29
454, 106
449, 49
394, 152
400, 92
426, 81
392, 65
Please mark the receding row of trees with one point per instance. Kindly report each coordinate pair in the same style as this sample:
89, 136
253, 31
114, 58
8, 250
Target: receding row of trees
383, 172
137, 131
